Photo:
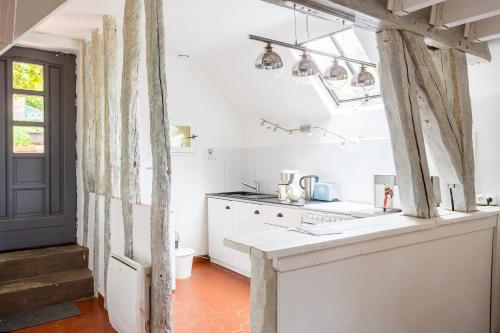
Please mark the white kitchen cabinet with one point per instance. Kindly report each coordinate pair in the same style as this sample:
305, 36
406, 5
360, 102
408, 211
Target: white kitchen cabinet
282, 216
247, 218
220, 226
228, 218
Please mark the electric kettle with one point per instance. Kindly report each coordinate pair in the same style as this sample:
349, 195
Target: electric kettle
307, 183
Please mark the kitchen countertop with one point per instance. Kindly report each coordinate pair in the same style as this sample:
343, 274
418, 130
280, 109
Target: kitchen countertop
269, 201
354, 209
279, 243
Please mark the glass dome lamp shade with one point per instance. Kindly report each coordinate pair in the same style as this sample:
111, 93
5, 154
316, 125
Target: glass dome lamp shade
363, 81
305, 67
335, 75
269, 63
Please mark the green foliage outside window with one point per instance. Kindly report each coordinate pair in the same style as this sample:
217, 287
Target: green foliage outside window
22, 135
27, 76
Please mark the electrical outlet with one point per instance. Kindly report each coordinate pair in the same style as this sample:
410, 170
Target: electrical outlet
486, 200
211, 154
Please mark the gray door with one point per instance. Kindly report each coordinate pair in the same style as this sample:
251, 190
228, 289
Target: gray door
37, 149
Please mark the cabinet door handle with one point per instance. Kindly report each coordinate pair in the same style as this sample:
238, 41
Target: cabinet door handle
256, 212
227, 207
279, 215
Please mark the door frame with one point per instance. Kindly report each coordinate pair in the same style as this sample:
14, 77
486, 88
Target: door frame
52, 229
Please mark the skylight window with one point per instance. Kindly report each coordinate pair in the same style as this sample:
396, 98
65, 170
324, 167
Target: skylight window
344, 43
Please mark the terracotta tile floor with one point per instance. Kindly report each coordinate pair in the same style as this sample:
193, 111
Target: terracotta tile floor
214, 300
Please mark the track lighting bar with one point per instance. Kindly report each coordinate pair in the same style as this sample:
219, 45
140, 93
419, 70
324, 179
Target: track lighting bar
303, 129
305, 49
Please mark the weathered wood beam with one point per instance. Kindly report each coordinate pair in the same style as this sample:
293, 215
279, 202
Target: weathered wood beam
98, 69
444, 102
110, 132
263, 295
484, 30
453, 70
88, 163
453, 13
373, 14
405, 7
399, 91
440, 124
7, 19
161, 284
130, 159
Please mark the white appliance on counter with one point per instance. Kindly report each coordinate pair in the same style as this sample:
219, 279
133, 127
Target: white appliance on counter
329, 212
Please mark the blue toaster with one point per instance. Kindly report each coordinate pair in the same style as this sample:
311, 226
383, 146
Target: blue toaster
326, 192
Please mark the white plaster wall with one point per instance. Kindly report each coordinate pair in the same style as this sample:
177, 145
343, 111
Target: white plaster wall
485, 96
192, 100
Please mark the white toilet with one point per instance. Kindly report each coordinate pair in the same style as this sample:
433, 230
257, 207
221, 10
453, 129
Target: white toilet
183, 263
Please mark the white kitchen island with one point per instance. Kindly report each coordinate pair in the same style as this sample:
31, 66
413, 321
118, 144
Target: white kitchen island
387, 274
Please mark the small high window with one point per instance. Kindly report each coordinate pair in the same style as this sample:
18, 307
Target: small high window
28, 108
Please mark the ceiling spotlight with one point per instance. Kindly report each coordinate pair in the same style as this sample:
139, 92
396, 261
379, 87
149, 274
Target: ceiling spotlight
269, 63
262, 123
363, 81
305, 67
335, 75
290, 135
275, 129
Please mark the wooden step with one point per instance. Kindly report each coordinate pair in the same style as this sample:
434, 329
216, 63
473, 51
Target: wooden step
45, 289
29, 263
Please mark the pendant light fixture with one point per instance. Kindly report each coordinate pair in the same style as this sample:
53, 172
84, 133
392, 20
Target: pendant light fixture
306, 66
335, 75
269, 63
363, 81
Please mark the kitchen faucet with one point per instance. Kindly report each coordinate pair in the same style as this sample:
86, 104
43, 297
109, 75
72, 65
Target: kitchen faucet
256, 188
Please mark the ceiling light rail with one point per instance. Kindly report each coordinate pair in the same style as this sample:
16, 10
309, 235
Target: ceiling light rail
306, 129
307, 50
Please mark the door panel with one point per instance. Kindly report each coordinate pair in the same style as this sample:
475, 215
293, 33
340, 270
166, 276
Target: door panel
29, 170
37, 157
29, 202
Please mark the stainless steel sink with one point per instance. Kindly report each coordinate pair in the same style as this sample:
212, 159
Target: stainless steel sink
247, 195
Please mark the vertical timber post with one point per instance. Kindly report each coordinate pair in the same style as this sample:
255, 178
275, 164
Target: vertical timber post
399, 90
110, 132
99, 129
88, 163
130, 161
161, 295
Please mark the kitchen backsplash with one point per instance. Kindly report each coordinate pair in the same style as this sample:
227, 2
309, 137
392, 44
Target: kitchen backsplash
351, 167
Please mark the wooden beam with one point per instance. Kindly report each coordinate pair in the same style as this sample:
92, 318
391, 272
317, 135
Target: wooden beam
373, 14
98, 68
7, 19
484, 30
399, 91
453, 13
110, 132
88, 163
405, 7
263, 294
453, 69
444, 103
130, 160
161, 284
